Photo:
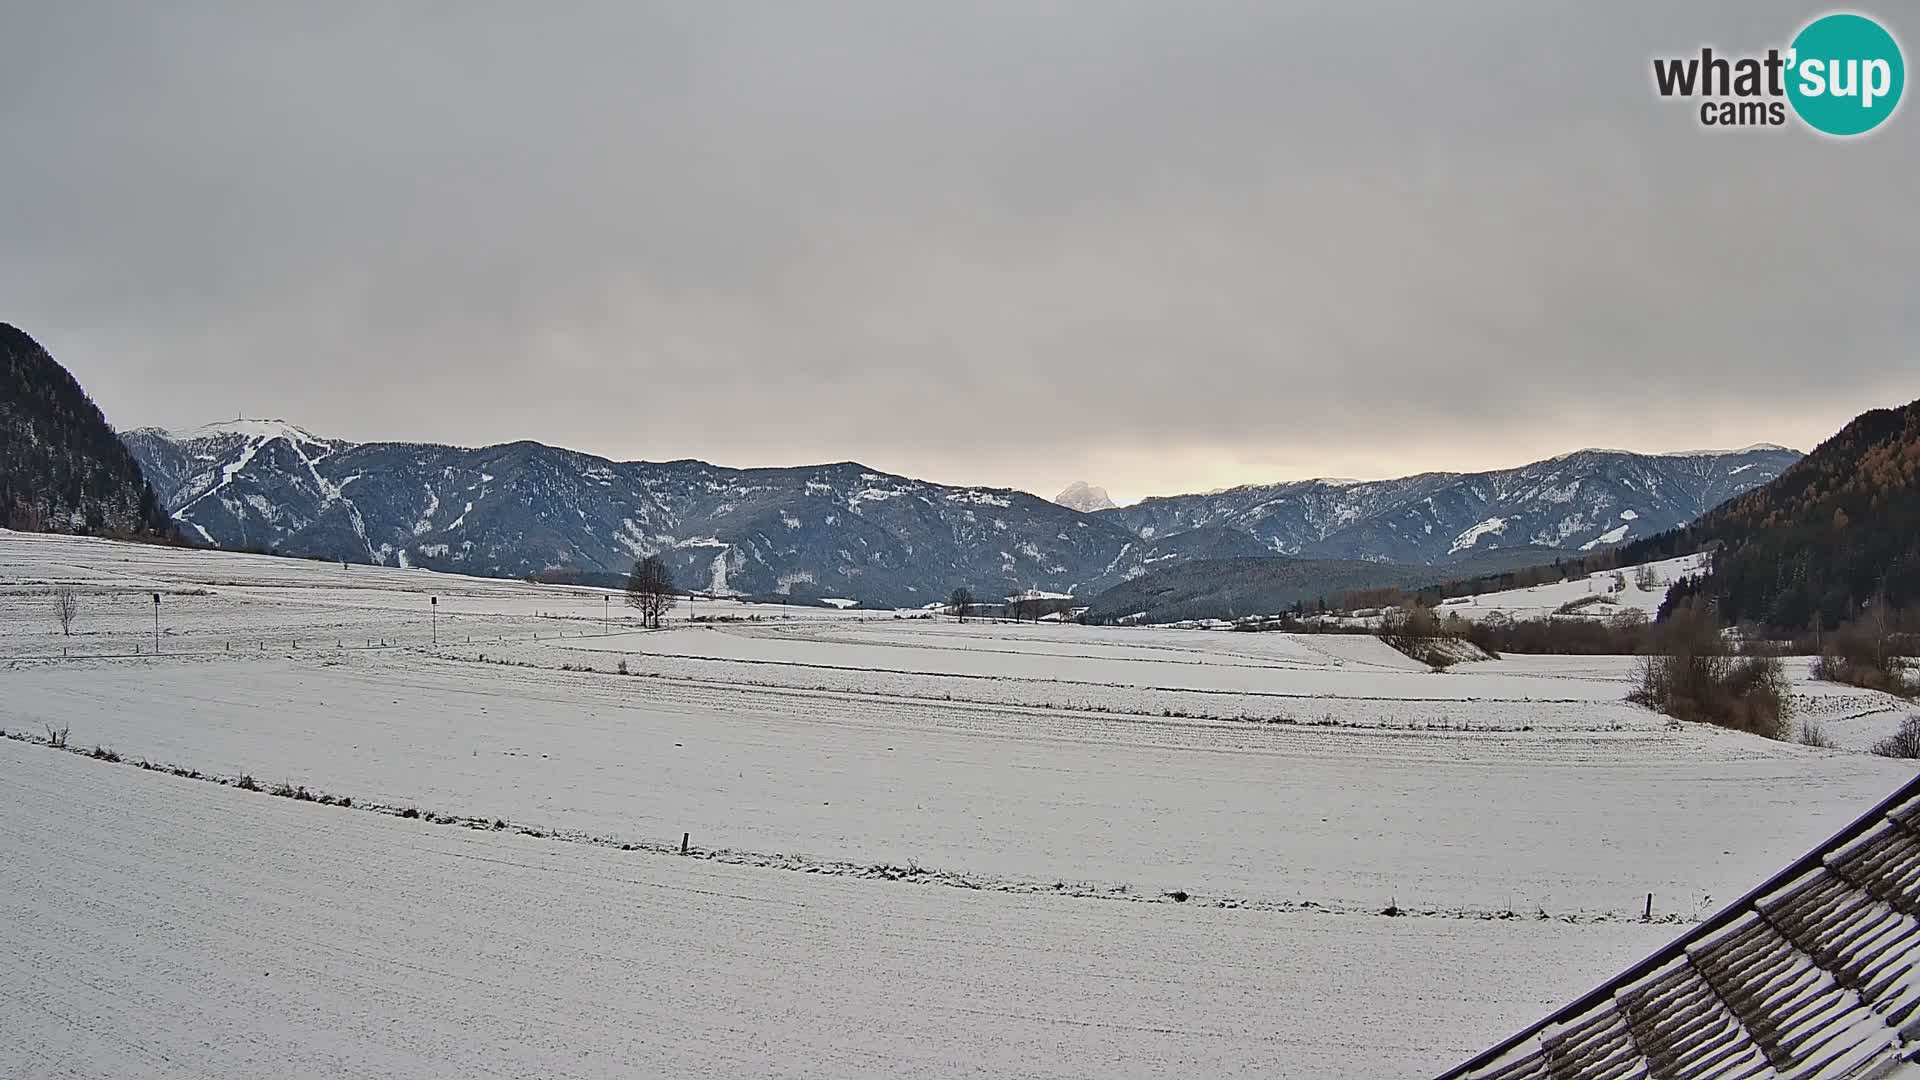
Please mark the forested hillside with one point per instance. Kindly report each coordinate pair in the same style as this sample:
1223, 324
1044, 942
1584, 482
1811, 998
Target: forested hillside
1837, 531
62, 468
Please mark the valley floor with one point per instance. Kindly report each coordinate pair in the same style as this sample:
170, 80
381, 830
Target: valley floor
916, 847
160, 927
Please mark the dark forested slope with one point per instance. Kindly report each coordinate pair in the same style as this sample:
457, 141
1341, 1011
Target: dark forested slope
62, 468
1835, 532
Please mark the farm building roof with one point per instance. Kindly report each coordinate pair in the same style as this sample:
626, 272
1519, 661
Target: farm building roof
1814, 975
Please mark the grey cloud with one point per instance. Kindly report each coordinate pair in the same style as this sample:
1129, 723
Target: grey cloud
1156, 245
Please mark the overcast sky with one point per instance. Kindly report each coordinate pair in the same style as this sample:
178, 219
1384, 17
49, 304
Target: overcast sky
1160, 246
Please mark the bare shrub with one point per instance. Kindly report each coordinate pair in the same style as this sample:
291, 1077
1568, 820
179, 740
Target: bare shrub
1904, 743
1813, 734
1694, 677
1419, 633
66, 608
1574, 607
1862, 654
57, 736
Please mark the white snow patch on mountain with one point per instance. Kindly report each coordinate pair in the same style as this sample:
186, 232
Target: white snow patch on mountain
1491, 527
227, 473
425, 524
1084, 497
1611, 536
262, 430
980, 498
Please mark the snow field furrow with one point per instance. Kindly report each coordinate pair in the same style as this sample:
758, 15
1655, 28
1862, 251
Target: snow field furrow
265, 935
1582, 822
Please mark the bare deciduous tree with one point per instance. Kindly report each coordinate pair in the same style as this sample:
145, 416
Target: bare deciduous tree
959, 601
1023, 606
66, 608
650, 590
1904, 743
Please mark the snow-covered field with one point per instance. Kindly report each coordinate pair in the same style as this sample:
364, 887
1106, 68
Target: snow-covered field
216, 602
155, 927
916, 847
1597, 595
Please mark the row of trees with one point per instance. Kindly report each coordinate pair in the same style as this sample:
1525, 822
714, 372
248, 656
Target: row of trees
1022, 607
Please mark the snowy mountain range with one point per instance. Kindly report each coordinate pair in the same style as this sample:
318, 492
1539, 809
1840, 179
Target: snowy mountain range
846, 531
1578, 501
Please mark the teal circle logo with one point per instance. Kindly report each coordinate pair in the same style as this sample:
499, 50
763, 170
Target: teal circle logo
1845, 74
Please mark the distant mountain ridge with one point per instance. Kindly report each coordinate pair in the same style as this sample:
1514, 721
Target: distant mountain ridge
62, 469
1578, 501
846, 531
826, 531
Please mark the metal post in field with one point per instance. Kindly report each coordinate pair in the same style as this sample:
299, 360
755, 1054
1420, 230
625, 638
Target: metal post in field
156, 622
434, 604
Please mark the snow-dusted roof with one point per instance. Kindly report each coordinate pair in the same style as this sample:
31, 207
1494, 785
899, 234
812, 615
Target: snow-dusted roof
1812, 975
